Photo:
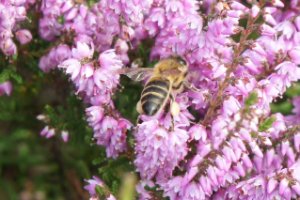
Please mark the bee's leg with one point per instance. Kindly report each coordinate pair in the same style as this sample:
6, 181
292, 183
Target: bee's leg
139, 108
140, 111
138, 120
174, 109
191, 86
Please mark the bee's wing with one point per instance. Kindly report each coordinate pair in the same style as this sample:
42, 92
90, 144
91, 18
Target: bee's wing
137, 74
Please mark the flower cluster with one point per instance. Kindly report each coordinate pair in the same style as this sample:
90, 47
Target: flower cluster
95, 82
241, 57
11, 14
91, 188
49, 132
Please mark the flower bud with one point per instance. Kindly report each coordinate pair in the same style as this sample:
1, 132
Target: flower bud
277, 3
295, 55
5, 88
23, 36
267, 30
8, 47
255, 10
283, 186
272, 184
297, 23
65, 136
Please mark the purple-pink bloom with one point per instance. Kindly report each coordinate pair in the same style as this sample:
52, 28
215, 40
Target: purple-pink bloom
92, 183
158, 150
47, 132
65, 136
24, 36
5, 88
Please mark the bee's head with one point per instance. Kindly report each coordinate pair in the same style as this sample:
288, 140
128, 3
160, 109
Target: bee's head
180, 60
182, 64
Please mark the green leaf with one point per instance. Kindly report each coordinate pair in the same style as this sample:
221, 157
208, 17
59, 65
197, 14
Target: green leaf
61, 19
251, 99
17, 78
283, 107
293, 91
99, 190
8, 73
15, 57
265, 125
5, 74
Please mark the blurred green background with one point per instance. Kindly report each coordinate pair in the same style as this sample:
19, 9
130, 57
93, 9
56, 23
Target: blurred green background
33, 167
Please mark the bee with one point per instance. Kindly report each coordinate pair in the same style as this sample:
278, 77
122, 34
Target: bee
167, 78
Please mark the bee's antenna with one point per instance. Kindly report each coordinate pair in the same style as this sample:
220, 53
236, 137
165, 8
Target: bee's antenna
176, 52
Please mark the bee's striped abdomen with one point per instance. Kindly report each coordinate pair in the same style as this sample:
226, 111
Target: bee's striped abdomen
154, 95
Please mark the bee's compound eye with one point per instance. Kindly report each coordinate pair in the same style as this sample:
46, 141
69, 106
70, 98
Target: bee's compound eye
183, 66
181, 61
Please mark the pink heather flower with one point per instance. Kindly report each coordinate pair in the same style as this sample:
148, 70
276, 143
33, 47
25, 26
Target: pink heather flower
92, 183
111, 197
96, 84
268, 186
47, 132
295, 117
8, 47
231, 106
41, 117
198, 132
49, 28
294, 55
155, 21
5, 88
277, 3
91, 188
297, 23
172, 187
65, 136
143, 193
24, 36
159, 151
254, 10
121, 46
72, 67
54, 57
108, 131
199, 98
62, 52
82, 51
297, 142
10, 16
109, 60
95, 114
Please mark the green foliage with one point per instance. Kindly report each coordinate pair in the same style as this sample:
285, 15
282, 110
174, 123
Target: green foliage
32, 165
284, 104
127, 97
284, 107
10, 73
266, 124
252, 99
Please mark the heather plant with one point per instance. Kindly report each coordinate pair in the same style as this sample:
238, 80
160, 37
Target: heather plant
70, 116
